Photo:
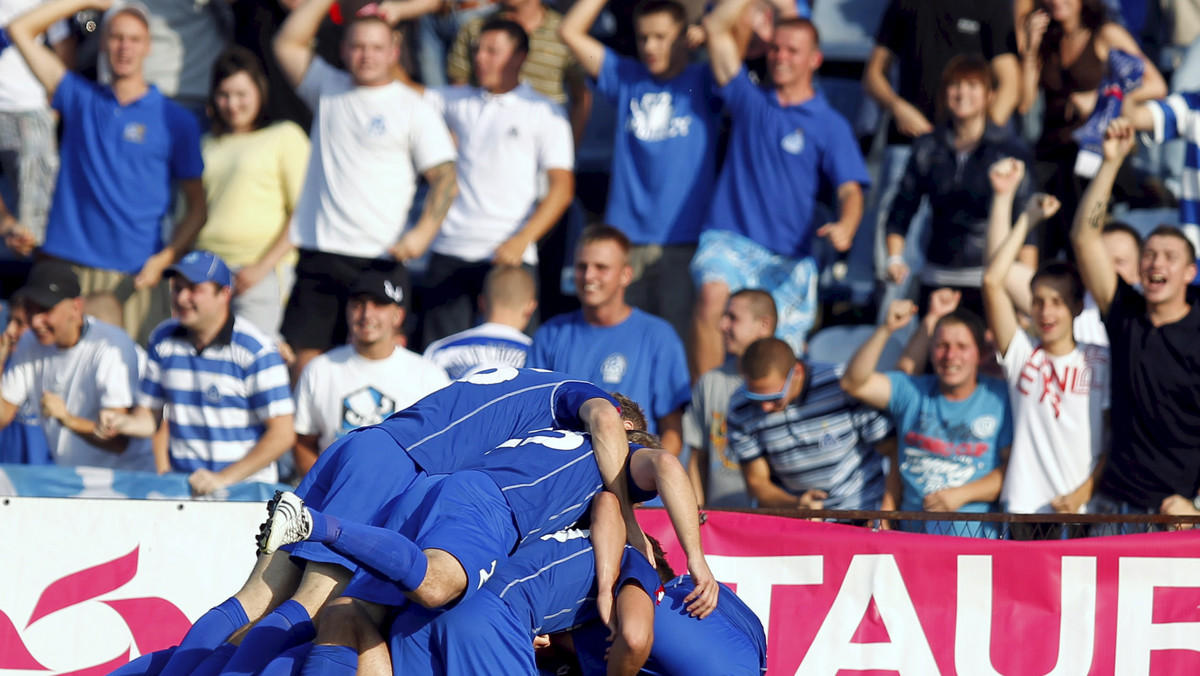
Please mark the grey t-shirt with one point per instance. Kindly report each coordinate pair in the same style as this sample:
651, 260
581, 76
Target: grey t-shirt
704, 427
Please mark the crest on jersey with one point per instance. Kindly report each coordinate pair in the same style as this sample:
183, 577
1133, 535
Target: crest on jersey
135, 132
984, 426
793, 142
614, 367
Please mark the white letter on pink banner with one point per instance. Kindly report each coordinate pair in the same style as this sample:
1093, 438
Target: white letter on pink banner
973, 621
1137, 634
877, 576
756, 575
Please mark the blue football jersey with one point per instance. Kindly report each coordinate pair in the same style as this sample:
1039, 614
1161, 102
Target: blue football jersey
450, 427
550, 582
548, 478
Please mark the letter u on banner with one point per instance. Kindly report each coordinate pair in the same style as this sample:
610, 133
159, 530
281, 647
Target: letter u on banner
973, 621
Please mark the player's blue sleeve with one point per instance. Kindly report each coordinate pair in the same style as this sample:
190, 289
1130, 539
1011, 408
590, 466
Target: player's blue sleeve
636, 494
636, 569
569, 397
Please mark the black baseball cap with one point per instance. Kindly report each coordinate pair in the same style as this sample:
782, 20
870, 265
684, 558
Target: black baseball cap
49, 283
379, 288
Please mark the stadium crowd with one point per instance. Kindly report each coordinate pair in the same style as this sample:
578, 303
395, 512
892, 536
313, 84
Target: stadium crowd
309, 242
232, 229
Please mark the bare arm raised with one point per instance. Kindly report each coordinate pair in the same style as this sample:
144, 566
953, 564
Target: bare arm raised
1004, 243
1095, 267
293, 42
862, 380
45, 64
574, 32
724, 53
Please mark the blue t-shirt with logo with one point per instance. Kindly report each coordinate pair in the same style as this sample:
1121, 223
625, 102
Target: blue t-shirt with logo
778, 159
119, 162
947, 444
642, 358
664, 152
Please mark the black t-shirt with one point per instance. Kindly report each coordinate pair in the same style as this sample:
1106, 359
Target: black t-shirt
1155, 403
925, 34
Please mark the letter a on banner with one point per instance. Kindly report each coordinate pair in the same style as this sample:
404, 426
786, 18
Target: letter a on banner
973, 621
908, 651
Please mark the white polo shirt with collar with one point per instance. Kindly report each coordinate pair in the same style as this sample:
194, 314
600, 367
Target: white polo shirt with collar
505, 142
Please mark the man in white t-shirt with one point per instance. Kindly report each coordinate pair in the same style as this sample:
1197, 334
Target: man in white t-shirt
508, 136
508, 300
371, 137
75, 367
364, 382
1059, 388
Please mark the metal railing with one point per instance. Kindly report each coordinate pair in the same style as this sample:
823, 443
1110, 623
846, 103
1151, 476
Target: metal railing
994, 525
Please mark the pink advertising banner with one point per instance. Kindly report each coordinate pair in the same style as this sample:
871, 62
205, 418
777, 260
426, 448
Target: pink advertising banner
839, 600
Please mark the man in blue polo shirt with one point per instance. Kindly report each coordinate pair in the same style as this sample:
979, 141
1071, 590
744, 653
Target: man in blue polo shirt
664, 153
786, 141
124, 148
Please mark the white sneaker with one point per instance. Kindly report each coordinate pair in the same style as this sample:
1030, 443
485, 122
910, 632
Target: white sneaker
287, 521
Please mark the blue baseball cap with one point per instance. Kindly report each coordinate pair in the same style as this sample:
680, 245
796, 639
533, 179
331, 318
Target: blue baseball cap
202, 266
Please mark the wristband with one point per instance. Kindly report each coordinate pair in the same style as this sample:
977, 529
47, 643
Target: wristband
892, 260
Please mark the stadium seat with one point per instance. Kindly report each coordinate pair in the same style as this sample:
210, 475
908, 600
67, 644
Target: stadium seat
837, 344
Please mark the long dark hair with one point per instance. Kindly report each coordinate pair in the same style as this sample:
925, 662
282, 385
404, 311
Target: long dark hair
232, 61
1092, 15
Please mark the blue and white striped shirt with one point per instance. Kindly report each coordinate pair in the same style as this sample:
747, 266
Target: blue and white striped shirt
483, 346
822, 440
1178, 116
217, 400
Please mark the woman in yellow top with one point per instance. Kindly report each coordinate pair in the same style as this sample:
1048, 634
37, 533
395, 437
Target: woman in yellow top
253, 173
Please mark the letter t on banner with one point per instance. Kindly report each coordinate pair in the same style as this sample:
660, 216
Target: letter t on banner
754, 576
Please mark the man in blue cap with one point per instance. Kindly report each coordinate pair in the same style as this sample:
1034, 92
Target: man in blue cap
230, 402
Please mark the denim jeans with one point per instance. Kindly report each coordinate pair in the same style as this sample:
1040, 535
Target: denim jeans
895, 161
